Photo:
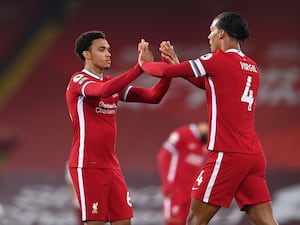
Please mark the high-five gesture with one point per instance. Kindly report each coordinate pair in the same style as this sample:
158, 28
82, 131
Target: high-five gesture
168, 53
145, 55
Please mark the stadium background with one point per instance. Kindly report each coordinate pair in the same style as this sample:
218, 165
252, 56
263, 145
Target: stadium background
37, 59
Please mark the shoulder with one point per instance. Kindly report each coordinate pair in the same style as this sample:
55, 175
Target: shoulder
78, 79
108, 77
211, 56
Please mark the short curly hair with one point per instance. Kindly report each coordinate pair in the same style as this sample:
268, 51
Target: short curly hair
84, 41
234, 24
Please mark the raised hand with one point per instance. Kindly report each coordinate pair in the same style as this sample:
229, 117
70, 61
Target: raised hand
168, 53
145, 55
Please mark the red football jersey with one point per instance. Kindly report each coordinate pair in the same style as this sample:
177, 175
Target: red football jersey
231, 82
92, 103
95, 148
94, 118
180, 159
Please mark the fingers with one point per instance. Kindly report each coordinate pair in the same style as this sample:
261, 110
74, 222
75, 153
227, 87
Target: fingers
143, 45
165, 46
145, 55
168, 53
166, 58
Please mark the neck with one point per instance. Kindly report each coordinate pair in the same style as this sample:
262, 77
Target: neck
94, 73
230, 44
93, 69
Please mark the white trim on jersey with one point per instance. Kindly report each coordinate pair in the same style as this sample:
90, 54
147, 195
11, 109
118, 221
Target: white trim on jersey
213, 122
174, 161
239, 52
81, 193
81, 130
126, 93
195, 130
197, 68
83, 87
200, 67
213, 177
97, 76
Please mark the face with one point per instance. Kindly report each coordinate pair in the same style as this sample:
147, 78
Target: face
99, 56
214, 36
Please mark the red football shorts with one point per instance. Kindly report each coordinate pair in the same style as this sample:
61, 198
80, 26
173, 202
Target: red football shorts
102, 193
226, 175
176, 207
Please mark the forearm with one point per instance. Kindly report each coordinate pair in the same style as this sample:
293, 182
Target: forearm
162, 69
114, 85
147, 95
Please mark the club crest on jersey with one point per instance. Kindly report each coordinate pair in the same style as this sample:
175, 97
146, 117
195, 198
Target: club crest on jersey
95, 208
128, 199
206, 56
115, 95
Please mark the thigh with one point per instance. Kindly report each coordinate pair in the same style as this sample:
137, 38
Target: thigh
94, 223
92, 189
120, 206
201, 213
253, 189
220, 178
122, 222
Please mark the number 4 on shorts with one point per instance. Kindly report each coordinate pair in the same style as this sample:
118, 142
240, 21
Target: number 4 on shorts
200, 178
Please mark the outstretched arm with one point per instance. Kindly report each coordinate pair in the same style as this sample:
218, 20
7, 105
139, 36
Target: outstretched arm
162, 69
169, 55
146, 95
110, 87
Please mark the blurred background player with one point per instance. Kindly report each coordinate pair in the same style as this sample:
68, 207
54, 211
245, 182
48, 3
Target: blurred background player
179, 162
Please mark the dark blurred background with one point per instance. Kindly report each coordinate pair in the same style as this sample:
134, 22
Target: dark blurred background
37, 59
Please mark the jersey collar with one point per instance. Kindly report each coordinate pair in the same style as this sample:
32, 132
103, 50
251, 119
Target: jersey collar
97, 76
239, 52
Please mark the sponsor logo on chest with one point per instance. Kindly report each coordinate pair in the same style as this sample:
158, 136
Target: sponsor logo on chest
106, 108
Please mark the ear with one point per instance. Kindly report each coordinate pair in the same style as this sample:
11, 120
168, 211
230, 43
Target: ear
86, 54
221, 34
